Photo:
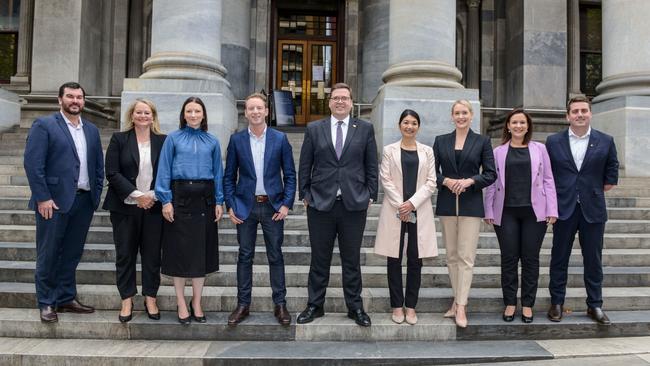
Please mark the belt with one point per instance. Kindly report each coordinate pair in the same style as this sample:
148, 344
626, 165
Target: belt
261, 199
189, 181
82, 191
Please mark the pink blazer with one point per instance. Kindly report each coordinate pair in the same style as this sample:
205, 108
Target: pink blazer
542, 187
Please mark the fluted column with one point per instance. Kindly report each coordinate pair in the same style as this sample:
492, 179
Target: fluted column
24, 62
473, 44
573, 51
185, 41
422, 44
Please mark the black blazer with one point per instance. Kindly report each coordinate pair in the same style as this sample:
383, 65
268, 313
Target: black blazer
321, 173
476, 154
122, 167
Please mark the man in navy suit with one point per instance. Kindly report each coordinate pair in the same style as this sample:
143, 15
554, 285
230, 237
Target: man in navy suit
584, 166
259, 186
338, 177
65, 169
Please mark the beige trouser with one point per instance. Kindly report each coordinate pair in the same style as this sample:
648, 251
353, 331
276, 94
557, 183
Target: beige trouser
460, 234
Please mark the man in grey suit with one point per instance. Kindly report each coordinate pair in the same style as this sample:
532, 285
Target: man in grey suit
338, 175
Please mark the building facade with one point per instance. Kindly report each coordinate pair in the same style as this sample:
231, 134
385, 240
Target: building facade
395, 54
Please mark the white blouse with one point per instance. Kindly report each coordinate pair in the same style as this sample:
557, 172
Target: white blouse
145, 175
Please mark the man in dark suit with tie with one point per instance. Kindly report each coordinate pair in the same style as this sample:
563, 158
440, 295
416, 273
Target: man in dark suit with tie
584, 166
259, 187
65, 169
338, 181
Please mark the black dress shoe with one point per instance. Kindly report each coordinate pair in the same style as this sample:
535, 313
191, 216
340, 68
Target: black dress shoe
526, 319
151, 316
238, 315
126, 318
282, 314
75, 306
48, 314
599, 316
184, 321
508, 318
360, 317
309, 314
555, 313
199, 319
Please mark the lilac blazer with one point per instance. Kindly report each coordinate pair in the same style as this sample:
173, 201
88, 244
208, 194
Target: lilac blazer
542, 193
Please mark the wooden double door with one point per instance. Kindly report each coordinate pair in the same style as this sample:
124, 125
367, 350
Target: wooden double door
307, 68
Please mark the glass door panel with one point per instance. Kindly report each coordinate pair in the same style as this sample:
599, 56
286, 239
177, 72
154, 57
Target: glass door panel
290, 73
322, 56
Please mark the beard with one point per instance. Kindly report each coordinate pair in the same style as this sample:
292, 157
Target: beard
67, 109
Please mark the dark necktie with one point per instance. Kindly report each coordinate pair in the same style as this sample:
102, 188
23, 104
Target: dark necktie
338, 146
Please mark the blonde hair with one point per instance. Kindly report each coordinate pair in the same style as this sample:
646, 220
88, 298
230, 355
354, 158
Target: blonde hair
463, 102
128, 121
260, 96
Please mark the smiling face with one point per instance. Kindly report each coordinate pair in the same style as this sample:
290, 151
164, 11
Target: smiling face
142, 115
193, 114
340, 103
462, 116
409, 126
518, 126
579, 115
72, 102
256, 112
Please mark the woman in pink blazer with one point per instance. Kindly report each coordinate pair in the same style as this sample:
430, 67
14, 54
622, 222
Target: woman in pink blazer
409, 179
520, 204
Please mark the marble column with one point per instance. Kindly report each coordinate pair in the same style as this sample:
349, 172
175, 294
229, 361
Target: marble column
421, 74
136, 38
573, 51
24, 43
374, 46
473, 44
622, 107
235, 45
186, 61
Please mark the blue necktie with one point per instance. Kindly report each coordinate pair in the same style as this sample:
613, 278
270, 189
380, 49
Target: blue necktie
338, 146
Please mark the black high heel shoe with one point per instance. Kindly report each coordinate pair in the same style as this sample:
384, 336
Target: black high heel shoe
151, 316
508, 318
126, 319
200, 319
184, 321
526, 319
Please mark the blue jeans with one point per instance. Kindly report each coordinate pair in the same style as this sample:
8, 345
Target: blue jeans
261, 213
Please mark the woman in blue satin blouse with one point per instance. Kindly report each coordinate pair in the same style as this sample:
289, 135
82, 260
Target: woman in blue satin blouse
189, 186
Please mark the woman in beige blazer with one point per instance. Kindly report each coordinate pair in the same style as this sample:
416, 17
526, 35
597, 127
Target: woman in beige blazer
409, 179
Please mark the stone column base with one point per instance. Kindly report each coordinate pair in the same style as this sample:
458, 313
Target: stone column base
169, 94
432, 104
626, 118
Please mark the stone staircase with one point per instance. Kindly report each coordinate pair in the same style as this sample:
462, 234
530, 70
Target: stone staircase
626, 259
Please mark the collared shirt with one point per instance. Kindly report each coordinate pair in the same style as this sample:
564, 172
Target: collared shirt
344, 127
145, 175
258, 145
579, 146
77, 132
189, 153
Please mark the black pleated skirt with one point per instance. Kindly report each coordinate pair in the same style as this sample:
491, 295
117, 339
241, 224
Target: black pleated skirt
190, 244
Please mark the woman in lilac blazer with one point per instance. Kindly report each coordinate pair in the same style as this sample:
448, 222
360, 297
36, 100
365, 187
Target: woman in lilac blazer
520, 204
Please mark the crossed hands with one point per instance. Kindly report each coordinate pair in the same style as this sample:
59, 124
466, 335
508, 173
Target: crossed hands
458, 186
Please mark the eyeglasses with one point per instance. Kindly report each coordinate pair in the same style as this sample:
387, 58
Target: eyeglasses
340, 99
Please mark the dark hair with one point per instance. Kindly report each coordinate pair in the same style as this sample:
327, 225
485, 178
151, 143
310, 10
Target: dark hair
409, 112
506, 136
577, 99
197, 100
71, 85
341, 86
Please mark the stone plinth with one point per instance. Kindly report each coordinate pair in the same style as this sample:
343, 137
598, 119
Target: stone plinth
9, 109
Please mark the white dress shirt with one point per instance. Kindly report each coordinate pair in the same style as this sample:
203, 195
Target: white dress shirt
344, 127
145, 175
579, 146
77, 132
258, 144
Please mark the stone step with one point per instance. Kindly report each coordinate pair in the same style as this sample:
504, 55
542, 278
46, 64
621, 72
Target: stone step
372, 276
431, 300
299, 222
104, 235
91, 352
301, 255
333, 327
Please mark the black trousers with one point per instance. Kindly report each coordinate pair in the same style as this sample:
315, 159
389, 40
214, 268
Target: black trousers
413, 270
520, 238
141, 232
324, 228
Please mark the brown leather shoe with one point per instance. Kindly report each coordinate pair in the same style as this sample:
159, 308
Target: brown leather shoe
282, 314
599, 316
239, 314
48, 315
555, 313
75, 306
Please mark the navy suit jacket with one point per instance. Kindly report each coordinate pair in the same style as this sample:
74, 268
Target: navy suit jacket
52, 164
599, 167
322, 174
239, 178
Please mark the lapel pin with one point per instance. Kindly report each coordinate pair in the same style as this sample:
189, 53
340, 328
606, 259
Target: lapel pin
592, 145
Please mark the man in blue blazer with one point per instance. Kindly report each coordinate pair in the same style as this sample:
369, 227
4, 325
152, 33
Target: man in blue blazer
259, 186
65, 169
584, 166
